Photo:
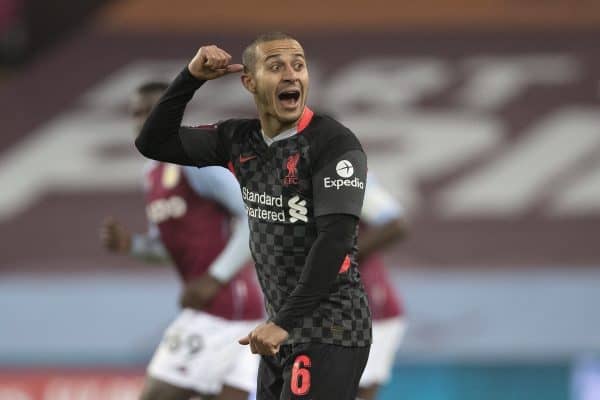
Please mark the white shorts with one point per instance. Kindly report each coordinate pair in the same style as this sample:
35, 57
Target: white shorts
201, 352
387, 336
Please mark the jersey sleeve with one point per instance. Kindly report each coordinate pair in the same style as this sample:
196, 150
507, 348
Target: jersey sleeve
149, 247
206, 145
334, 241
339, 177
379, 207
163, 138
218, 184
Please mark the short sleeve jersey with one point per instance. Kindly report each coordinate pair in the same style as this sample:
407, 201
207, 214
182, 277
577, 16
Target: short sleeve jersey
319, 171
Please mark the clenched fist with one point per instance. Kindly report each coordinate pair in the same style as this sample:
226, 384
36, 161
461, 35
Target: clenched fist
211, 62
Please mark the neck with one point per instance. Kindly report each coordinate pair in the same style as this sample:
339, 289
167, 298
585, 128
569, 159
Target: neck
272, 127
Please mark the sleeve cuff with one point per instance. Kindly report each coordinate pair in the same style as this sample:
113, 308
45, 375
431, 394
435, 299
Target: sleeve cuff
187, 77
138, 245
284, 323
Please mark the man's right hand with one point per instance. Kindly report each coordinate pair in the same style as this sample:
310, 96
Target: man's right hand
212, 62
114, 236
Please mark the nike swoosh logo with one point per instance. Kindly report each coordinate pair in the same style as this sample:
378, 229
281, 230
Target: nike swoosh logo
248, 158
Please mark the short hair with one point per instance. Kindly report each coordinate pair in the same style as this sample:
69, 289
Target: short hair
249, 54
151, 87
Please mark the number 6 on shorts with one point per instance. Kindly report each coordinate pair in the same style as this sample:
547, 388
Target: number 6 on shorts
300, 382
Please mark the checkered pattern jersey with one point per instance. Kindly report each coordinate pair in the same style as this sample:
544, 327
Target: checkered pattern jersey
280, 248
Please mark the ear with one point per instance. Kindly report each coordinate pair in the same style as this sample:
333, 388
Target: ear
248, 82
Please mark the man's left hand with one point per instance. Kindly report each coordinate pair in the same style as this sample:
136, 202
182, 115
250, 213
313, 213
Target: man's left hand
265, 339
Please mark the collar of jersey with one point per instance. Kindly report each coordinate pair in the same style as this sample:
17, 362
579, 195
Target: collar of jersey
305, 119
282, 136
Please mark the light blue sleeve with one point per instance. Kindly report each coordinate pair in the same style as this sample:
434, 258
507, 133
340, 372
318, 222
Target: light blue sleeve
149, 247
379, 206
218, 184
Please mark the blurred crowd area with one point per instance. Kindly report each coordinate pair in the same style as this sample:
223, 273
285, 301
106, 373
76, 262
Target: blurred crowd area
27, 27
481, 117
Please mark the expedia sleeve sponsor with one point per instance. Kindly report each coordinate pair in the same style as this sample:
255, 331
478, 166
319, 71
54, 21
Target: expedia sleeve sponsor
339, 186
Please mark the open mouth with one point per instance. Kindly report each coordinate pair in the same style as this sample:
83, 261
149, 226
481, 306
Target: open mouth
289, 98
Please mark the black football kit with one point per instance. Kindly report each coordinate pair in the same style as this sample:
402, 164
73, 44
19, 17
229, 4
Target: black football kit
304, 196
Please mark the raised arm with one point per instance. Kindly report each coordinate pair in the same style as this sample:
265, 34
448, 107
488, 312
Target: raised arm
164, 139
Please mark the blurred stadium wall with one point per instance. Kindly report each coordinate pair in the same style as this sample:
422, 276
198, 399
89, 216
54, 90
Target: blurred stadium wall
481, 117
27, 27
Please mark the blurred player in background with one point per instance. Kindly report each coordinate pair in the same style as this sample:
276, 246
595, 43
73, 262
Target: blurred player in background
382, 224
196, 219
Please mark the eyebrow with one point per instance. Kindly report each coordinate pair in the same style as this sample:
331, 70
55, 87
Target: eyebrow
279, 55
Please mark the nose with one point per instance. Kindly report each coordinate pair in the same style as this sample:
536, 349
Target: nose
289, 73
